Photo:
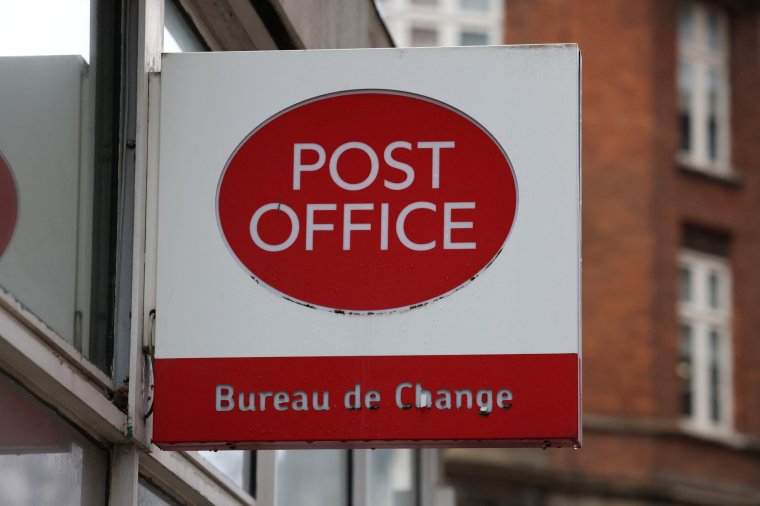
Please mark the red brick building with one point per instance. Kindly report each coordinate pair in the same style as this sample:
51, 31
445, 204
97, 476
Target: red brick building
671, 260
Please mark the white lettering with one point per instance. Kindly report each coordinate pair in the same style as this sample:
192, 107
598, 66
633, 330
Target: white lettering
373, 170
311, 227
448, 225
436, 165
298, 165
348, 226
401, 232
254, 227
392, 162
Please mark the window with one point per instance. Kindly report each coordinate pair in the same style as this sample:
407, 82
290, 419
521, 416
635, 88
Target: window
426, 23
704, 363
475, 5
179, 34
703, 89
393, 478
424, 37
473, 38
43, 459
386, 477
64, 78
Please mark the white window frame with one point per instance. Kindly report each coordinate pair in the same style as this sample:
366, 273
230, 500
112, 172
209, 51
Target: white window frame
432, 492
697, 313
446, 16
703, 59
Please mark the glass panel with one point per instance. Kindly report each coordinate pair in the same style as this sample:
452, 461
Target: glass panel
41, 139
684, 370
393, 478
472, 38
713, 289
424, 2
43, 460
684, 284
686, 23
713, 83
713, 29
312, 477
150, 495
63, 29
230, 462
474, 5
424, 37
179, 35
715, 373
685, 89
60, 151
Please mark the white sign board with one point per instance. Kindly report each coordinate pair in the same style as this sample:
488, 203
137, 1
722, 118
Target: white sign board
369, 248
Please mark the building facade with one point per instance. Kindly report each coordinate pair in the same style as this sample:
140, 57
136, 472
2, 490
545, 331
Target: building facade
671, 242
79, 93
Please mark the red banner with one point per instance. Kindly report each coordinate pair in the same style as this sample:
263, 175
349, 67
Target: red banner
369, 401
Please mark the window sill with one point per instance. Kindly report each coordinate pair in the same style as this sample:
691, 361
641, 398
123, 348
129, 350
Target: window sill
709, 171
661, 427
56, 343
719, 435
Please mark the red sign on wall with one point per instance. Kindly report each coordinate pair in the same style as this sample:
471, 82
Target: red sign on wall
8, 204
367, 189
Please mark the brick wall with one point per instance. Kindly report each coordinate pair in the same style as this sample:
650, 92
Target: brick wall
636, 202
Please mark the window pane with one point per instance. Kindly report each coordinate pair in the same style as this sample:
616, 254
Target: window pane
713, 83
472, 38
424, 37
713, 29
684, 370
474, 5
63, 29
41, 138
424, 2
684, 284
393, 478
686, 23
713, 290
685, 89
230, 462
312, 477
149, 495
715, 373
179, 35
43, 460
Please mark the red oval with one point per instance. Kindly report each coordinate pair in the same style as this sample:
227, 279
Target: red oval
8, 205
274, 180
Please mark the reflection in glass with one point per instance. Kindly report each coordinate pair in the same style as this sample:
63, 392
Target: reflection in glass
713, 290
43, 460
713, 82
63, 29
473, 38
179, 35
317, 477
150, 495
684, 370
474, 5
713, 29
58, 263
229, 462
686, 23
684, 284
685, 91
424, 37
393, 478
715, 373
